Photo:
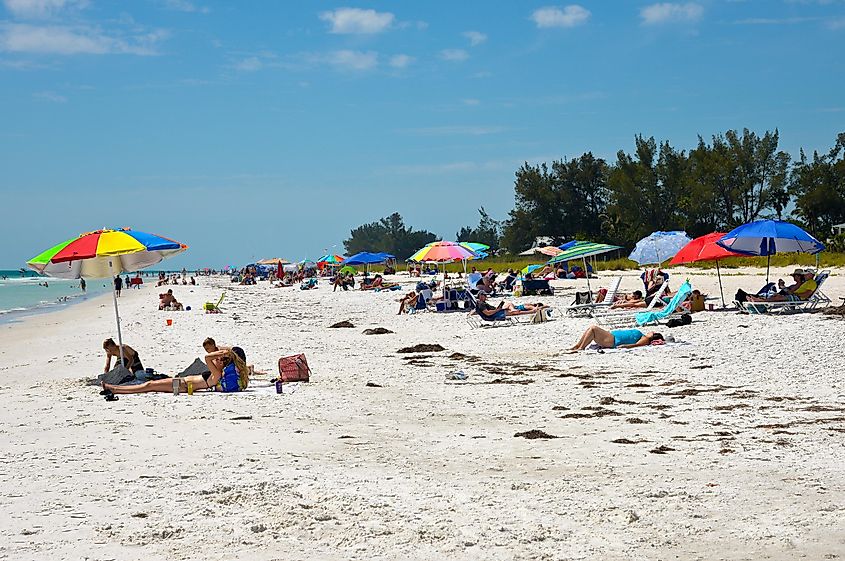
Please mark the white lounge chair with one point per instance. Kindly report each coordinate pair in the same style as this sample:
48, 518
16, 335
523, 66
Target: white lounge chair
791, 306
611, 317
592, 307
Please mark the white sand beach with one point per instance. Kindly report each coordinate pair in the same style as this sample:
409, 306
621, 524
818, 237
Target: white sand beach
725, 445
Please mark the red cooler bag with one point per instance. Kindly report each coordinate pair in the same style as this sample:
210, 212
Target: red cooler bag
294, 368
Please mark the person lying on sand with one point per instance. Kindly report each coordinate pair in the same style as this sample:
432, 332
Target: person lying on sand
503, 310
616, 339
228, 372
131, 360
378, 282
633, 300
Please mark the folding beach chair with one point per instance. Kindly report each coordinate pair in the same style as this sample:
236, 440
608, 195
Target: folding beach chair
589, 308
791, 306
212, 308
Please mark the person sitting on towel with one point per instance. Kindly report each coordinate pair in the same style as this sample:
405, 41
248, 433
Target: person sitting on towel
616, 339
167, 300
227, 372
131, 360
503, 310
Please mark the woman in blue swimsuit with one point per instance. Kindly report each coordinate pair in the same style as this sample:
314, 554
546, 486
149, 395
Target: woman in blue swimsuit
616, 339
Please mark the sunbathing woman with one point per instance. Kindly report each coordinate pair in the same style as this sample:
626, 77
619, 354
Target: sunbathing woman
633, 300
228, 372
130, 357
616, 339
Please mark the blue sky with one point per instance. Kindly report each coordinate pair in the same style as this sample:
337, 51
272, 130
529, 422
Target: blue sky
257, 129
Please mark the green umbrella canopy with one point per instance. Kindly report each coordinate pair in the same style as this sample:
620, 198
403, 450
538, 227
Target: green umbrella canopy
582, 250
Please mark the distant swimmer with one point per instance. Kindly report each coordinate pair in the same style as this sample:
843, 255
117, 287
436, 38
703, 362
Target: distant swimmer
82, 284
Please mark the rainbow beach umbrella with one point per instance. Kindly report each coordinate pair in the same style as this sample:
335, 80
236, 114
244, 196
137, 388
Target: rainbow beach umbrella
331, 259
104, 254
442, 252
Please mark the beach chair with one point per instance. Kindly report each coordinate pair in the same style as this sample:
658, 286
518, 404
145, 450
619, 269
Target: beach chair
612, 318
674, 307
791, 306
476, 320
472, 280
591, 307
212, 308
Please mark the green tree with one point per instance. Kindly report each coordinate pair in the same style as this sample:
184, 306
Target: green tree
389, 235
819, 189
565, 201
487, 232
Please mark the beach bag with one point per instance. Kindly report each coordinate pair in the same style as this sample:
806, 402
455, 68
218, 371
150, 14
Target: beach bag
117, 376
294, 368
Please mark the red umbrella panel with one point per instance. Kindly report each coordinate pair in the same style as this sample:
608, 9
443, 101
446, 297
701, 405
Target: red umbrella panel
705, 248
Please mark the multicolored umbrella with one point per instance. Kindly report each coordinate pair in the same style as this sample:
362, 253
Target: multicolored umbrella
104, 254
273, 261
330, 259
549, 250
530, 269
705, 248
442, 252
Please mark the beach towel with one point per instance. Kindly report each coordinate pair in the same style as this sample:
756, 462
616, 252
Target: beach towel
197, 368
669, 309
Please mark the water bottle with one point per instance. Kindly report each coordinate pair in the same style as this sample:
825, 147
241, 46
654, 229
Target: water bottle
177, 386
279, 386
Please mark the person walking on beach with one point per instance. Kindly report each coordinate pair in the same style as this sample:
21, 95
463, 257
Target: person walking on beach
82, 284
118, 285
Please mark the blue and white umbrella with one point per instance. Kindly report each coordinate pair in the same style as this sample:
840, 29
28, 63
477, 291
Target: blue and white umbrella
768, 237
658, 247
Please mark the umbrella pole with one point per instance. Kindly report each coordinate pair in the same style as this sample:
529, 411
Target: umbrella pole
116, 315
587, 273
768, 264
721, 290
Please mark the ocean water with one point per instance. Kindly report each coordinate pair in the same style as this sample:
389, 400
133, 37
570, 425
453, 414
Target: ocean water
26, 295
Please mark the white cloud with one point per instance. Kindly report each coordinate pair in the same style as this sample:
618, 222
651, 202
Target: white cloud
40, 8
50, 96
400, 61
552, 16
353, 60
249, 64
470, 101
185, 6
355, 20
475, 37
454, 55
63, 40
668, 12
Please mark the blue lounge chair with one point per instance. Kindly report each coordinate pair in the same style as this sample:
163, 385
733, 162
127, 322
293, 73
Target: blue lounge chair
645, 318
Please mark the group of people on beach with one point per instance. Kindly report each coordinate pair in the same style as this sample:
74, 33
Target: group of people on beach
227, 371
